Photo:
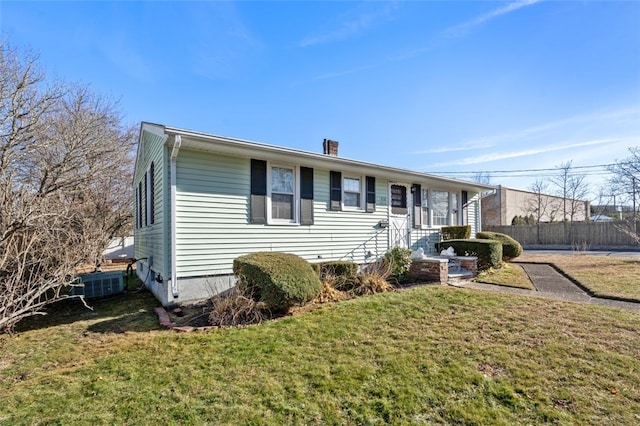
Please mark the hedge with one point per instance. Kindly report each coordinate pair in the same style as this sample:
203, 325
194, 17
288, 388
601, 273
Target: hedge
280, 280
460, 232
510, 247
489, 252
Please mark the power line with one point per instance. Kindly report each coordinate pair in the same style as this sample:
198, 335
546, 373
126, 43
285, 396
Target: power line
555, 169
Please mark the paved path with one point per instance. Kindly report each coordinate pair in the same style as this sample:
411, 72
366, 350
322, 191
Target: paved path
551, 284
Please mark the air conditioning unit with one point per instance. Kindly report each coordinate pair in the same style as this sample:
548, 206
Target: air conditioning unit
99, 284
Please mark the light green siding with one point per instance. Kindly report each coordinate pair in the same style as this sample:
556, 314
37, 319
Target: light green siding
150, 240
212, 211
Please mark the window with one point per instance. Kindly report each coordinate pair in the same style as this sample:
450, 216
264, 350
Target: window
282, 194
352, 192
398, 199
444, 208
426, 219
440, 205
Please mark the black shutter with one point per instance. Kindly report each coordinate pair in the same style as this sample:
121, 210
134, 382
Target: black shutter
335, 181
146, 195
258, 207
152, 191
306, 196
137, 203
371, 194
416, 189
140, 204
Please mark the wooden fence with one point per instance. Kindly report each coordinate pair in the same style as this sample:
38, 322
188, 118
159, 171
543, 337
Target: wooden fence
577, 235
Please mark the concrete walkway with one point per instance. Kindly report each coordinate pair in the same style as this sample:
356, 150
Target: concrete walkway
551, 284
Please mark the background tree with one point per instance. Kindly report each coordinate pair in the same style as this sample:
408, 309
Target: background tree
626, 180
573, 188
65, 172
541, 205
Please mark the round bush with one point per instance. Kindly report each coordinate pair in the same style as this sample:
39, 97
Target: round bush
510, 247
280, 280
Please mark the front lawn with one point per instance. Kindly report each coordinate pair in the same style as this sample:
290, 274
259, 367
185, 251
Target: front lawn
430, 354
603, 275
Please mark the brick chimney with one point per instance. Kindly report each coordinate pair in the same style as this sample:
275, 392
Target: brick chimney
330, 147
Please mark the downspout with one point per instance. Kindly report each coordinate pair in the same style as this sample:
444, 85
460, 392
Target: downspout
172, 169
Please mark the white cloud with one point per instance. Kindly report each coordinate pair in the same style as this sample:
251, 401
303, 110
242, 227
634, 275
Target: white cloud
496, 156
606, 119
350, 26
455, 148
465, 27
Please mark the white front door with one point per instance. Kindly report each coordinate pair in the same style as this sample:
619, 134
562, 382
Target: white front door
399, 215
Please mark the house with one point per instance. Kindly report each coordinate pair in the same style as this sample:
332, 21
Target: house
504, 204
202, 200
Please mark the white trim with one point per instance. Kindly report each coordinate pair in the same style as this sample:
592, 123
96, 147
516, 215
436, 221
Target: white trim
296, 195
361, 179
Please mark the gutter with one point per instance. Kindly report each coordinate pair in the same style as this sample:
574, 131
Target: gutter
177, 142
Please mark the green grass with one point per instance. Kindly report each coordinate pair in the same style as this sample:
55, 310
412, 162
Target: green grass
603, 275
509, 275
429, 354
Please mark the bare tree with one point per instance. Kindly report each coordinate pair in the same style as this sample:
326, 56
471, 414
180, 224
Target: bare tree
626, 181
65, 171
573, 188
543, 206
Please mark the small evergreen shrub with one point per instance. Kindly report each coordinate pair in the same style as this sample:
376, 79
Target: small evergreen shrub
510, 247
461, 232
489, 252
280, 280
399, 259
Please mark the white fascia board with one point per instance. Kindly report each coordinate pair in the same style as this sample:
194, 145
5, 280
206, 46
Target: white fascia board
243, 148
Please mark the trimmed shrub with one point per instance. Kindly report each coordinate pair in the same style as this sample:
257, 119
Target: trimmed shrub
280, 280
399, 259
510, 247
343, 274
462, 232
489, 252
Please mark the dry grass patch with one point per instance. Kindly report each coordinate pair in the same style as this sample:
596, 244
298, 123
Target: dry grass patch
603, 275
510, 275
234, 309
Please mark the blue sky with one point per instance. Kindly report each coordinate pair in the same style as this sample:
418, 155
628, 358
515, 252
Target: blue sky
432, 86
